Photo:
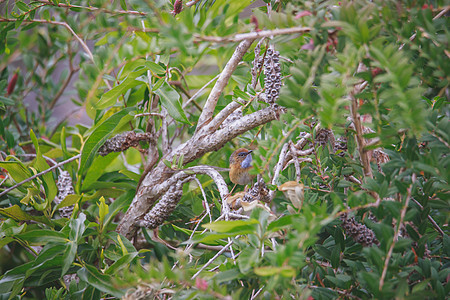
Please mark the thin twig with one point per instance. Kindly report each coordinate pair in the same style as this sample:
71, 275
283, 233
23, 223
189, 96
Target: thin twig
254, 295
45, 157
208, 211
213, 259
440, 14
397, 233
148, 114
190, 3
92, 8
82, 43
254, 35
40, 174
195, 96
430, 218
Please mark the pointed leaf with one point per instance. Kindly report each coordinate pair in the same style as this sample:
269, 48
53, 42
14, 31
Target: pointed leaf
92, 276
110, 97
17, 214
170, 99
247, 226
100, 134
41, 165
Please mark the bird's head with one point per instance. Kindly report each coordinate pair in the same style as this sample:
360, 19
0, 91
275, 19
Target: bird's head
241, 158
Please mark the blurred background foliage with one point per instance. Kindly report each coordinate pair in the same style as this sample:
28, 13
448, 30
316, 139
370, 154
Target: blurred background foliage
73, 73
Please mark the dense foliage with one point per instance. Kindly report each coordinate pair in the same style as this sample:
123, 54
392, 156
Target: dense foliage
360, 211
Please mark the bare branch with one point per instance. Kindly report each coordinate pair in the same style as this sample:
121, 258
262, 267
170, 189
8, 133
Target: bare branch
221, 116
222, 82
280, 163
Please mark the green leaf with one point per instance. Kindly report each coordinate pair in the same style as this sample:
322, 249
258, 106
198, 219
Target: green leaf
210, 238
62, 139
123, 4
122, 245
77, 227
96, 170
6, 101
17, 214
271, 271
2, 128
43, 236
240, 226
69, 256
240, 94
103, 210
22, 6
227, 275
68, 201
280, 223
41, 165
123, 262
100, 134
110, 97
248, 257
16, 170
104, 283
5, 241
154, 67
170, 99
133, 176
167, 163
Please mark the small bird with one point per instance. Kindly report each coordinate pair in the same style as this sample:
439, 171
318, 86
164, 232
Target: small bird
240, 165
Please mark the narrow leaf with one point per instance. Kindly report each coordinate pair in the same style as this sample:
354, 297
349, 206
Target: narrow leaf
170, 99
92, 276
98, 137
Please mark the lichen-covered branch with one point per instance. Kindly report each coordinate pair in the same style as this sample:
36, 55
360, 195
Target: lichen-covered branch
159, 179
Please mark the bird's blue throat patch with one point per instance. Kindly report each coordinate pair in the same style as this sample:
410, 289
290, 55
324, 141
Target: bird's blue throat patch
247, 162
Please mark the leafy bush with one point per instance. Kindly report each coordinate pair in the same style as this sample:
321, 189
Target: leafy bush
351, 149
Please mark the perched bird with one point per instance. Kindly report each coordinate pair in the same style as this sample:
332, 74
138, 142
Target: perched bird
240, 165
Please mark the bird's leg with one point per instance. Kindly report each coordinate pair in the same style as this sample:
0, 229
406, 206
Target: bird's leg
230, 192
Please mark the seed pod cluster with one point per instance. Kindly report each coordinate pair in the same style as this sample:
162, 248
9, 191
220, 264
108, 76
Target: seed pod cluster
272, 71
65, 188
324, 135
123, 141
257, 63
259, 191
341, 144
359, 232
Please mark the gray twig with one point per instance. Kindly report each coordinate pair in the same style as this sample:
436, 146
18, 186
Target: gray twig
40, 174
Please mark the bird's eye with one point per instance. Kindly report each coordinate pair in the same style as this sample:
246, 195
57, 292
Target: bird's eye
242, 154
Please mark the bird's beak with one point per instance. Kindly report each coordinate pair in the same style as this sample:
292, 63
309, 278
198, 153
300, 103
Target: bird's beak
249, 151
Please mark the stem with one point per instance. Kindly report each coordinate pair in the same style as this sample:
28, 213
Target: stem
397, 233
40, 174
213, 259
433, 222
